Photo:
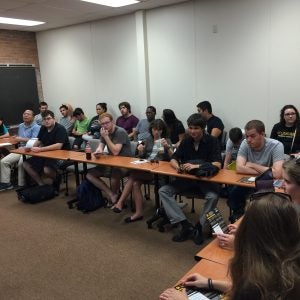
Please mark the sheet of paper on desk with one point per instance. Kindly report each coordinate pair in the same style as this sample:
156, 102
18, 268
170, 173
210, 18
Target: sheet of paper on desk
197, 296
30, 143
247, 180
140, 161
5, 144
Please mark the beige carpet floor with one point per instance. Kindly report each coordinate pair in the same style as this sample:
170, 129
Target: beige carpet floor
51, 252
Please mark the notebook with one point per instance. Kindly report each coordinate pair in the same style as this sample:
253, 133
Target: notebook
264, 182
216, 221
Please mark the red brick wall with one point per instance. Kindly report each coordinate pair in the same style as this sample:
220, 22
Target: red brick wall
19, 47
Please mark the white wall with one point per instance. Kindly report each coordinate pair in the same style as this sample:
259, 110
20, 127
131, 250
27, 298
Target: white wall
241, 55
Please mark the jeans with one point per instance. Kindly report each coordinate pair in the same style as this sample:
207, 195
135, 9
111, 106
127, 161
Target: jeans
210, 192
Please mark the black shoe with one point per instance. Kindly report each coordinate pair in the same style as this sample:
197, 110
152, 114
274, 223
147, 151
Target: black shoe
198, 235
184, 234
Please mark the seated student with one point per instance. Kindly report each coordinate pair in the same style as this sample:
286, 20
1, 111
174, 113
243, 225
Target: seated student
127, 120
232, 146
3, 129
43, 106
291, 185
291, 177
27, 130
66, 119
287, 131
175, 127
256, 154
80, 127
193, 151
117, 141
266, 262
52, 136
214, 125
141, 131
156, 147
93, 131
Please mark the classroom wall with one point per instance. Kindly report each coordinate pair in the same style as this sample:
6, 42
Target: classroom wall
241, 55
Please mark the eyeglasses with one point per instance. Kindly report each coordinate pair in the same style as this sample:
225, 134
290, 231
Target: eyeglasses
105, 123
258, 196
47, 118
289, 114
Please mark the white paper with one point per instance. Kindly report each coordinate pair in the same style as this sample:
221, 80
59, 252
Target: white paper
30, 143
217, 229
251, 179
140, 161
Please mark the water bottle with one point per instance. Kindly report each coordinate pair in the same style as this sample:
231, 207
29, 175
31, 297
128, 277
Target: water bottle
88, 151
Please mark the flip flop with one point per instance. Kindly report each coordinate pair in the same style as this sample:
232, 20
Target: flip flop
117, 210
129, 220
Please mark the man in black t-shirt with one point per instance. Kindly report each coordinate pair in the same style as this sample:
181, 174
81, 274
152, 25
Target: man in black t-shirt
214, 125
193, 151
52, 136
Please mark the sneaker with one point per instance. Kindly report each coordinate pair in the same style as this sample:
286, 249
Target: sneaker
198, 235
184, 234
6, 186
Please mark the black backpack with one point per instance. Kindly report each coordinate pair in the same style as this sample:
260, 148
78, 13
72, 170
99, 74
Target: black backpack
35, 194
89, 197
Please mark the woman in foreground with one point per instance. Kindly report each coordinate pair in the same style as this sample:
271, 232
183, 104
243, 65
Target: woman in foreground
266, 264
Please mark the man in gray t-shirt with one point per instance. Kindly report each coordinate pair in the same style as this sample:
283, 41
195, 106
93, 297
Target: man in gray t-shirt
141, 131
256, 154
117, 141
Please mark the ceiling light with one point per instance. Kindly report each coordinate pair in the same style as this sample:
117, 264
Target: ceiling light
113, 3
19, 22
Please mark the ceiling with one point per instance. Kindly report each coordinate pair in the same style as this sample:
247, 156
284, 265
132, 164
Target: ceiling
60, 13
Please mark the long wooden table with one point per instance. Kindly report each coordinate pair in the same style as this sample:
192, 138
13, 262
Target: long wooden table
209, 269
8, 141
67, 155
161, 168
224, 176
213, 252
117, 162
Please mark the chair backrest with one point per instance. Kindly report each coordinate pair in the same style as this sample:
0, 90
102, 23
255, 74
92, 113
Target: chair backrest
71, 141
224, 140
133, 145
94, 143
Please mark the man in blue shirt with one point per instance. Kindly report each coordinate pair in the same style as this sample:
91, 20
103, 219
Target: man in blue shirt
27, 130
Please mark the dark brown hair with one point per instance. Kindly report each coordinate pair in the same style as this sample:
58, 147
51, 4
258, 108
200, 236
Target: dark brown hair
267, 252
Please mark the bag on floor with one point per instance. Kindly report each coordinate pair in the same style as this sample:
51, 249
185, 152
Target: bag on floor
89, 197
35, 194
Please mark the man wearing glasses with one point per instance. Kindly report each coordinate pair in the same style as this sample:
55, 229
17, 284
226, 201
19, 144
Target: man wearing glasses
52, 136
117, 141
256, 154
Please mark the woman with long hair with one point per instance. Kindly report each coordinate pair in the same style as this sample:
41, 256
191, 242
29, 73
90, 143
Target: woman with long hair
155, 147
93, 131
175, 127
287, 131
266, 262
291, 177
